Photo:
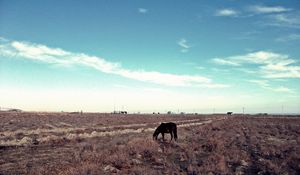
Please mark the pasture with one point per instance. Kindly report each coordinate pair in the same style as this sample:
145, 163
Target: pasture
92, 143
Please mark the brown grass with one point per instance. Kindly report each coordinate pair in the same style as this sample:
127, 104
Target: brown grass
237, 145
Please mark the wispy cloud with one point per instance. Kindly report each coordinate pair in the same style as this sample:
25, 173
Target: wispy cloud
245, 70
265, 84
225, 62
270, 64
183, 43
226, 12
278, 16
268, 9
3, 39
199, 67
142, 10
57, 56
291, 20
290, 37
261, 83
249, 35
283, 89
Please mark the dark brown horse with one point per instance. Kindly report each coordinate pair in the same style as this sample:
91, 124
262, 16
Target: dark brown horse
166, 128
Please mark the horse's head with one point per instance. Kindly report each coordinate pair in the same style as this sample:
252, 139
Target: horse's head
155, 134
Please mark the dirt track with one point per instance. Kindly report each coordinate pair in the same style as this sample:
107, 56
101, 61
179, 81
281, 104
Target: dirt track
44, 140
55, 133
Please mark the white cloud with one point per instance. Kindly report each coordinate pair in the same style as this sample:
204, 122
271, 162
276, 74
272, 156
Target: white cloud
291, 20
199, 67
281, 71
36, 49
283, 89
225, 62
226, 12
270, 64
221, 71
290, 37
262, 83
284, 18
3, 39
184, 45
268, 9
264, 57
142, 10
265, 84
246, 70
249, 35
56, 56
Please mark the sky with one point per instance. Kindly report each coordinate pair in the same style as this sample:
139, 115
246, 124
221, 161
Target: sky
150, 56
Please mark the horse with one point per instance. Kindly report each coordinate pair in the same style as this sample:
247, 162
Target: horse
166, 128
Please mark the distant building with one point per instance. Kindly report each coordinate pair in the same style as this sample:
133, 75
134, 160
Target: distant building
14, 110
120, 112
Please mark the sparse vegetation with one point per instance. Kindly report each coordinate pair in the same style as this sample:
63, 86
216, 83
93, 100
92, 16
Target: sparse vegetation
66, 144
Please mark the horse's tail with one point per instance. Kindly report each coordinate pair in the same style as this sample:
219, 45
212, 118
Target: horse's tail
175, 133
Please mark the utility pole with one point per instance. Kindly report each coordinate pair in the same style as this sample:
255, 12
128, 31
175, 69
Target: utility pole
243, 110
114, 104
281, 109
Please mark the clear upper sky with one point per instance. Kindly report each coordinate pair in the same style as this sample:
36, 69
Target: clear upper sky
192, 56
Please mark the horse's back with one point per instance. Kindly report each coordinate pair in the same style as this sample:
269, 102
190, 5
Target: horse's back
170, 126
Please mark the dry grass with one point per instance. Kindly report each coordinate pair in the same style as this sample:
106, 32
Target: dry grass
237, 145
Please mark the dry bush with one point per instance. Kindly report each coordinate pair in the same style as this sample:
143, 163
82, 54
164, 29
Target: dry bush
143, 146
84, 168
118, 159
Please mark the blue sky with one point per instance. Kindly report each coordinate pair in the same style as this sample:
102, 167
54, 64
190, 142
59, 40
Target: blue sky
192, 56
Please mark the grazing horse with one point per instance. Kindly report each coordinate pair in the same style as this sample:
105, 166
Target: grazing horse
166, 128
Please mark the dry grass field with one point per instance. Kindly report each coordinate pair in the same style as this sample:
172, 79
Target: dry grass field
71, 143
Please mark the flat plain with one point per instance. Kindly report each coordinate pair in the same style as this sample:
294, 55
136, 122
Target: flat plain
94, 143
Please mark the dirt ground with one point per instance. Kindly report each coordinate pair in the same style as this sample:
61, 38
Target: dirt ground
71, 143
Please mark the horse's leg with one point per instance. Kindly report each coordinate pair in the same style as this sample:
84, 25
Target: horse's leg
175, 133
171, 136
163, 136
